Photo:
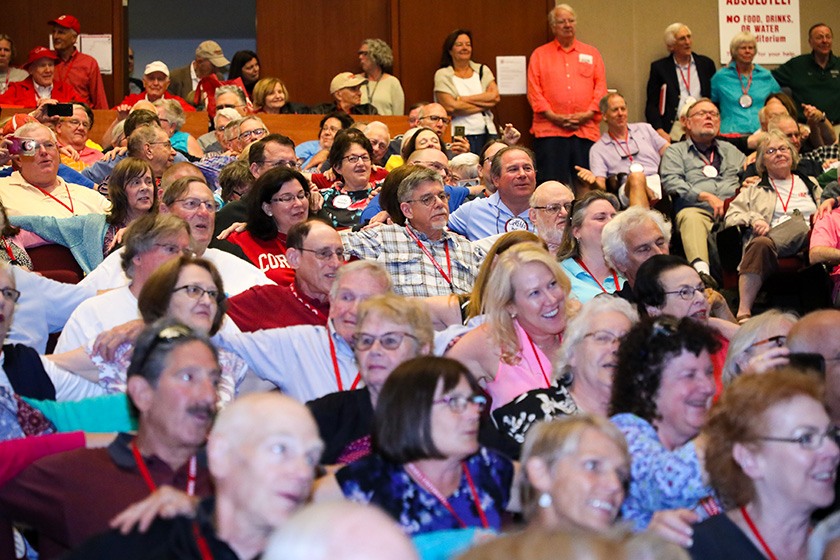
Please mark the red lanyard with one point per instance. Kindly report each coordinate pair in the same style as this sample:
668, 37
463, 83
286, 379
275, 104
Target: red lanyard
306, 305
201, 543
335, 365
427, 485
708, 161
70, 198
537, 356
757, 535
147, 476
586, 269
627, 142
741, 82
9, 252
686, 83
784, 204
447, 277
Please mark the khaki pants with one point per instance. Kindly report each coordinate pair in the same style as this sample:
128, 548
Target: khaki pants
694, 225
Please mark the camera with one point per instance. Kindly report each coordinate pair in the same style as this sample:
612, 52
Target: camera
23, 146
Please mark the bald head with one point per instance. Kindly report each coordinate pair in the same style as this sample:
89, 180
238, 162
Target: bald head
819, 333
433, 116
431, 158
549, 211
177, 171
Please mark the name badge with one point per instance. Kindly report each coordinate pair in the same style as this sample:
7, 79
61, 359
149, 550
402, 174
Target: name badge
516, 224
585, 58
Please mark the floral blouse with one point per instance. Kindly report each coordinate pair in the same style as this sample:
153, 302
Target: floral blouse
515, 418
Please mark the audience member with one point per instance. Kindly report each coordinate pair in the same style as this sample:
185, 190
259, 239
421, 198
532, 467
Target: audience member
209, 59
8, 73
172, 118
381, 88
231, 97
313, 154
72, 132
271, 96
245, 65
435, 116
549, 209
152, 144
155, 83
76, 68
346, 89
41, 83
759, 345
215, 141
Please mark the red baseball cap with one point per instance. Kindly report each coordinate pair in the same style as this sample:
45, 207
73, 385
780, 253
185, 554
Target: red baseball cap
68, 21
38, 53
17, 121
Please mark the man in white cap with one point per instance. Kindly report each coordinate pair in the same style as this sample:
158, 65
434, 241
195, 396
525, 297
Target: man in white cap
346, 89
155, 82
209, 59
76, 68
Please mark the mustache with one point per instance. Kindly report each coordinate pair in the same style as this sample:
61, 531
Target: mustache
208, 409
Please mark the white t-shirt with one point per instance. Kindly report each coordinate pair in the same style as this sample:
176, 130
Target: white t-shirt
95, 315
475, 123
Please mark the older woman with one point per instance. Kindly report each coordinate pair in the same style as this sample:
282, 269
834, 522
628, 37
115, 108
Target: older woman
759, 345
525, 303
350, 159
389, 330
741, 87
246, 66
661, 394
772, 455
381, 89
575, 472
420, 139
172, 118
467, 90
429, 472
314, 152
8, 73
280, 201
581, 255
780, 222
272, 96
583, 370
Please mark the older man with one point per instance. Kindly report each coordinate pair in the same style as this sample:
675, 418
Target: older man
814, 78
380, 139
566, 79
36, 188
700, 173
434, 116
422, 256
508, 209
346, 90
819, 333
151, 144
73, 132
209, 59
215, 141
231, 97
308, 361
155, 82
306, 300
75, 68
257, 487
678, 79
72, 496
41, 84
549, 208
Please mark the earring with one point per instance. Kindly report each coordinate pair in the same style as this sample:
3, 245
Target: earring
513, 315
544, 500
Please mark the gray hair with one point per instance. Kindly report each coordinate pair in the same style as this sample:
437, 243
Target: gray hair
221, 90
376, 269
140, 137
604, 103
465, 165
414, 179
774, 134
368, 128
31, 127
565, 7
671, 33
237, 124
613, 237
581, 324
173, 112
228, 113
748, 335
741, 38
380, 53
142, 234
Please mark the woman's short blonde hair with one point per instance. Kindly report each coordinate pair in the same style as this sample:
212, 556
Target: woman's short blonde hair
404, 311
742, 38
263, 88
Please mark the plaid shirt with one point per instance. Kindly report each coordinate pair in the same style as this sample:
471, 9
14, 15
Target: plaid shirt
412, 272
823, 153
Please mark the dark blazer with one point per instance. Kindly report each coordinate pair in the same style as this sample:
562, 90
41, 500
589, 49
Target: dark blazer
180, 83
663, 71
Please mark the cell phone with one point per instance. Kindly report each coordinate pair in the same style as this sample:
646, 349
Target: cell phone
459, 131
23, 146
808, 361
60, 110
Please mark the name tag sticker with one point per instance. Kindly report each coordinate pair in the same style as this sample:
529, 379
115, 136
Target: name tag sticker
585, 58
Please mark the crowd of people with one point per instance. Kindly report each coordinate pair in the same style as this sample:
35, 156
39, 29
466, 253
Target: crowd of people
236, 346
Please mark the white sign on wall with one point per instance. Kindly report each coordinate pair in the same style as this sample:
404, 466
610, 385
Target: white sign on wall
775, 24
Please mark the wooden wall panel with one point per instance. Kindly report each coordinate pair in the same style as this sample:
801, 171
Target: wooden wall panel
27, 25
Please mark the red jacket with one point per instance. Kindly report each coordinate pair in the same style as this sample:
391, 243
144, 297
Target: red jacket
130, 100
22, 94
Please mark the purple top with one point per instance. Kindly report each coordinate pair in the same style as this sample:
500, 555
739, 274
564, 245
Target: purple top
608, 157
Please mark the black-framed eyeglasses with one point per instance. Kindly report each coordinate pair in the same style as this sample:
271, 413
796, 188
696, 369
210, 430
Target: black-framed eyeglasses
228, 106
458, 403
10, 294
288, 163
388, 340
686, 293
777, 341
286, 198
326, 253
255, 133
435, 118
196, 292
812, 439
431, 198
556, 208
354, 159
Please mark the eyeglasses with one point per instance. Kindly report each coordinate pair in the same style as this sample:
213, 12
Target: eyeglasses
354, 159
436, 165
330, 128
76, 123
193, 204
326, 253
172, 249
388, 341
603, 338
780, 149
228, 106
458, 403
256, 133
286, 198
288, 163
166, 143
195, 292
710, 113
777, 341
687, 292
10, 294
812, 439
435, 118
431, 198
554, 209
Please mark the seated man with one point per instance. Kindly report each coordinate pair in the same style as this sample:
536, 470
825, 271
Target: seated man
41, 83
209, 59
70, 497
700, 173
790, 128
422, 256
257, 487
215, 141
36, 188
628, 152
346, 89
434, 116
231, 97
155, 82
380, 138
549, 208
151, 144
72, 132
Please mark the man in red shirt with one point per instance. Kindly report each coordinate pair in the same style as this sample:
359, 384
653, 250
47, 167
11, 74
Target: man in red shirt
155, 82
41, 83
78, 69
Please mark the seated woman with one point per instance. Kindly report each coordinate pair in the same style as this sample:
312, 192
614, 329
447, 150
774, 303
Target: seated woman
772, 455
759, 345
421, 139
526, 305
172, 118
389, 330
272, 97
583, 370
661, 394
428, 471
280, 200
313, 154
188, 289
581, 256
91, 237
245, 65
779, 222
